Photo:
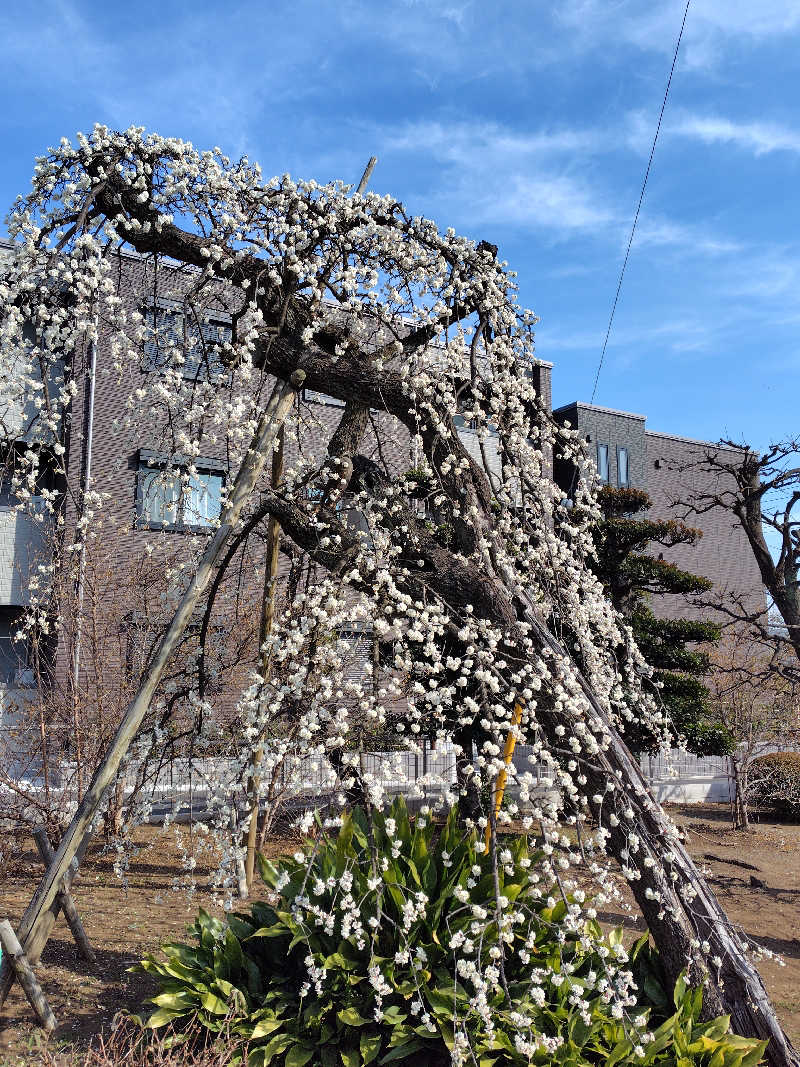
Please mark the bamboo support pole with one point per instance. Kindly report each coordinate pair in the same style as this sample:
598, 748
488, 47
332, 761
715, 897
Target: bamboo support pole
65, 900
19, 963
34, 929
508, 752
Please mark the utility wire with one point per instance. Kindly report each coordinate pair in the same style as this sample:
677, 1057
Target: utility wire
639, 205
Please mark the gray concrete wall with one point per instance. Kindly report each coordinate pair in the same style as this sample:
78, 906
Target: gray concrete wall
23, 544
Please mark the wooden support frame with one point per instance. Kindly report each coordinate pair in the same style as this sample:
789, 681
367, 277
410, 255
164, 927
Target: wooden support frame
37, 922
21, 967
17, 963
64, 899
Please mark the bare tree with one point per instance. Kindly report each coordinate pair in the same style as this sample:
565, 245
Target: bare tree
756, 705
761, 492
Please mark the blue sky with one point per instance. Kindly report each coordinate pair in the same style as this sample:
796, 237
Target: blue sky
526, 124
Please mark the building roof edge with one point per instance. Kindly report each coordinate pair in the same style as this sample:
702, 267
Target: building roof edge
599, 407
694, 441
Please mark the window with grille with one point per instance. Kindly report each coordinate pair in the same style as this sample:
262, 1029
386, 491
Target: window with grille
179, 337
169, 497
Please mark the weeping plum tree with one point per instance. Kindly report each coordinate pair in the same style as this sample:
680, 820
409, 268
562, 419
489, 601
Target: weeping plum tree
471, 580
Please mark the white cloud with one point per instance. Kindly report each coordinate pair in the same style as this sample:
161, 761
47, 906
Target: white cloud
765, 18
59, 46
556, 202
683, 334
495, 174
711, 25
770, 277
464, 142
756, 137
666, 233
554, 180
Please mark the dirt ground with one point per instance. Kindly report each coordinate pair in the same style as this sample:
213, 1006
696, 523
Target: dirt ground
124, 922
768, 912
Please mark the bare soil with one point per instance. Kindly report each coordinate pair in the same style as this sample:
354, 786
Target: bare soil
124, 922
769, 912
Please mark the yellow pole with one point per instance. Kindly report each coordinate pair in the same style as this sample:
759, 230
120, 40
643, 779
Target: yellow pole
508, 752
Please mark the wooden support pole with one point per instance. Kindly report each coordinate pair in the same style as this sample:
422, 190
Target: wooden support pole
236, 839
265, 630
34, 929
15, 954
7, 972
64, 899
365, 177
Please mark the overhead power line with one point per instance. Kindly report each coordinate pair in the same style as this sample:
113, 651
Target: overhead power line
641, 198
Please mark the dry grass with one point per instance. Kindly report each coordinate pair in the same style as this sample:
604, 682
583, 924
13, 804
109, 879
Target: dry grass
125, 1045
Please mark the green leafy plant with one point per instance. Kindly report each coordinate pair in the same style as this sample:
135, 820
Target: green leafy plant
399, 941
683, 1040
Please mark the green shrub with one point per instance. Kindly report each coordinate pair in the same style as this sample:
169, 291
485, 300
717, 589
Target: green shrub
775, 782
361, 958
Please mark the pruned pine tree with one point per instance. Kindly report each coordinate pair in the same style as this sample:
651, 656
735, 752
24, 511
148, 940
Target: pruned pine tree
627, 540
490, 608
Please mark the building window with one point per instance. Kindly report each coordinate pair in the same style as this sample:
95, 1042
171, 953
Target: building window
14, 475
623, 473
175, 336
141, 635
8, 496
315, 397
15, 669
468, 422
602, 463
169, 497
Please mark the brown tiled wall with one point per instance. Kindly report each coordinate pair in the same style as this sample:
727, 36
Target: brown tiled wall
722, 553
662, 465
114, 472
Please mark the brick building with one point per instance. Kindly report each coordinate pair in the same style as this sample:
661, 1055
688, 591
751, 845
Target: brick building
628, 455
154, 509
158, 509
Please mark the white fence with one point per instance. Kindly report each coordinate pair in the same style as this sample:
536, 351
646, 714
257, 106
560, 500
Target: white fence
681, 778
183, 787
